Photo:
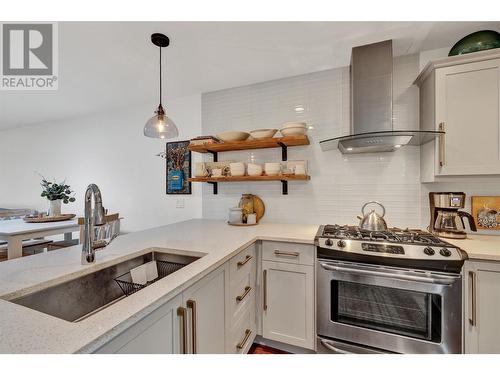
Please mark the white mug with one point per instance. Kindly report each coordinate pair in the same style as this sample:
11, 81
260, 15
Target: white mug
251, 219
200, 170
237, 169
300, 169
254, 169
272, 169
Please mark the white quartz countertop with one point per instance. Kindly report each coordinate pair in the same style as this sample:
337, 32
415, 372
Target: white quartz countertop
23, 330
479, 246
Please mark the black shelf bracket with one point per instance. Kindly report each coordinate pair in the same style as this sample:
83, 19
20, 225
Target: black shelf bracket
215, 186
284, 186
215, 155
284, 155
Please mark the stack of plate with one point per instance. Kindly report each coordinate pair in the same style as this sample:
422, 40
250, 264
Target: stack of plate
293, 128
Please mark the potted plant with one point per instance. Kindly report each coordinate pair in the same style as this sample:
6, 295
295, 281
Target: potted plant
56, 193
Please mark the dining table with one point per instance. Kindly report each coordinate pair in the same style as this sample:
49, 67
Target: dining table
15, 231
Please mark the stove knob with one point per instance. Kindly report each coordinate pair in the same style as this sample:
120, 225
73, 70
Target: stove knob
445, 252
328, 242
341, 243
429, 251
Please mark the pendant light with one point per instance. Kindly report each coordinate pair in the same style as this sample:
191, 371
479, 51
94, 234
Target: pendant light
160, 125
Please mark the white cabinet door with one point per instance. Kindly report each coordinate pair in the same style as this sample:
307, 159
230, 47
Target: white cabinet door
158, 333
206, 312
288, 311
482, 307
468, 105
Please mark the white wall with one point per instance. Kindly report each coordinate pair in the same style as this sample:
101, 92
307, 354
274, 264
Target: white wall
108, 149
339, 184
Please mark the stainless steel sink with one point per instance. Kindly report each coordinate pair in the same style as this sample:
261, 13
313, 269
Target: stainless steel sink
79, 298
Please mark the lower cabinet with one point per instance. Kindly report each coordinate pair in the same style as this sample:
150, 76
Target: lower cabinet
158, 333
288, 303
205, 315
482, 307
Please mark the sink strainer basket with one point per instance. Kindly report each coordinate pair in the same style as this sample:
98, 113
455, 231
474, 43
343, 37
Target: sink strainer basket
164, 269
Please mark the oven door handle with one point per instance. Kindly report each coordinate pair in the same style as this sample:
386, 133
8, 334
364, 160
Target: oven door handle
441, 280
329, 346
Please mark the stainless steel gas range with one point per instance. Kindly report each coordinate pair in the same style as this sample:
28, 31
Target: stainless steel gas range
394, 291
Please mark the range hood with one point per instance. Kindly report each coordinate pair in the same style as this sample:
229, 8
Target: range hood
371, 106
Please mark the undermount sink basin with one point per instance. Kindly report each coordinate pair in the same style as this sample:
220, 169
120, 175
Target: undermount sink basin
79, 298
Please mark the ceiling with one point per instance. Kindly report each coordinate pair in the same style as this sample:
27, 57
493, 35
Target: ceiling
109, 65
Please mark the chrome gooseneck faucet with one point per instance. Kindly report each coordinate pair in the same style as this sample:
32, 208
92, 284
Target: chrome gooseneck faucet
97, 219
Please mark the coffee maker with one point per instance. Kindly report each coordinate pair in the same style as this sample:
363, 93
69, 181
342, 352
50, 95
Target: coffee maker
446, 218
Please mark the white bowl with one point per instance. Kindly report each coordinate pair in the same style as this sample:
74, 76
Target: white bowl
232, 136
297, 130
263, 133
293, 124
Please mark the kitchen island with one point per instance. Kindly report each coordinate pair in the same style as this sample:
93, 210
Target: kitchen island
23, 330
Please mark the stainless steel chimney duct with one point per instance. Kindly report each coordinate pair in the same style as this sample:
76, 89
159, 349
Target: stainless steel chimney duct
371, 105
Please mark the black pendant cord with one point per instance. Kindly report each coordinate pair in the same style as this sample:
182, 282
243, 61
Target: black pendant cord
160, 76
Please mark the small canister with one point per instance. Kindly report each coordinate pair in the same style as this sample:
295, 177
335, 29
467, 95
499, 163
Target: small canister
235, 215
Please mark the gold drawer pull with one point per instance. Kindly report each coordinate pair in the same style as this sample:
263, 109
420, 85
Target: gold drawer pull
241, 345
247, 290
286, 253
442, 146
265, 289
241, 263
181, 313
191, 304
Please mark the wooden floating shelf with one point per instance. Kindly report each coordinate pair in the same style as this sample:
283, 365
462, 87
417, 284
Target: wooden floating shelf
293, 140
251, 178
283, 178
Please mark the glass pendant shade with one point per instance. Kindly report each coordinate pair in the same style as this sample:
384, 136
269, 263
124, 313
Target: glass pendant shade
160, 126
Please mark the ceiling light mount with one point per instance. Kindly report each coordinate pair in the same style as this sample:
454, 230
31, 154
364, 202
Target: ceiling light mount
160, 40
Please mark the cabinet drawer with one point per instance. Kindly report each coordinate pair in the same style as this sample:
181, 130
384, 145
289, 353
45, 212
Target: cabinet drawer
288, 252
242, 295
242, 264
243, 332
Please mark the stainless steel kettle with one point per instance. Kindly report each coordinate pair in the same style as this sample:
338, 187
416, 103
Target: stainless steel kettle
372, 221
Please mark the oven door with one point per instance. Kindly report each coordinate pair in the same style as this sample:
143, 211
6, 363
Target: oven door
397, 310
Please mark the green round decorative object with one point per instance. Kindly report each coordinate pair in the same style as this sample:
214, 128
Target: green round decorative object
478, 41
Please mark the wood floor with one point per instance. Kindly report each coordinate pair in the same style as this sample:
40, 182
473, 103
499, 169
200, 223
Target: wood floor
262, 349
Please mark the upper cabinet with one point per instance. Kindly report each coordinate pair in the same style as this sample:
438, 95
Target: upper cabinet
461, 95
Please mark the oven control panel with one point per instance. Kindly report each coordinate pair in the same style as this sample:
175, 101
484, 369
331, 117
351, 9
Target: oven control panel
382, 248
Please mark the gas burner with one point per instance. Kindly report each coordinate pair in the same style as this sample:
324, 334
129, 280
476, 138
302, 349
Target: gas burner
393, 235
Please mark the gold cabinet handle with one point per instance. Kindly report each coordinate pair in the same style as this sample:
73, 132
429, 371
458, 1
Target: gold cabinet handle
181, 313
442, 145
286, 253
191, 304
241, 263
472, 298
242, 344
245, 293
264, 281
